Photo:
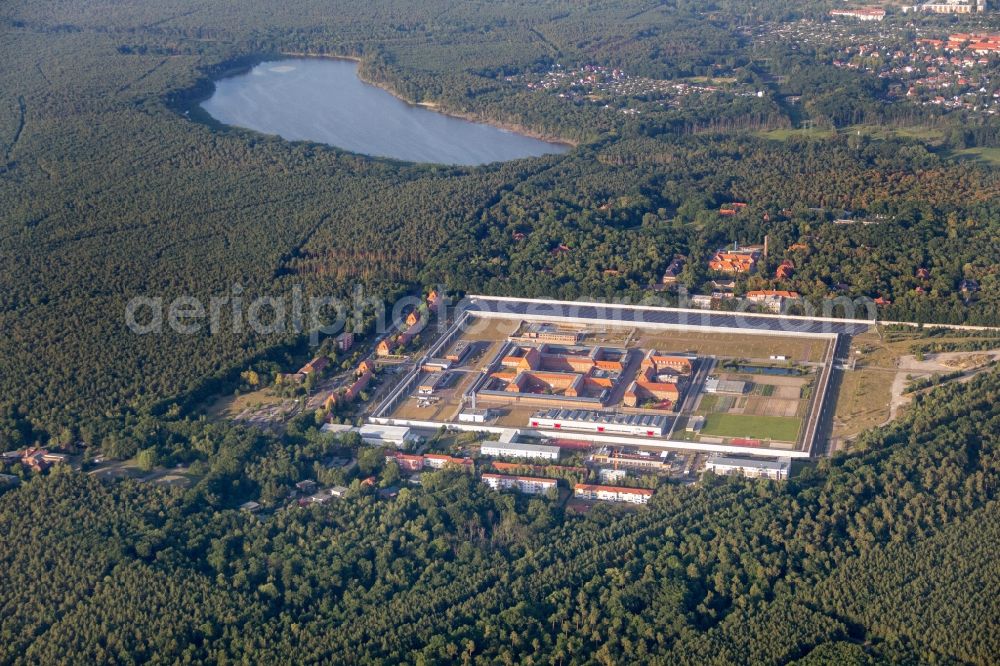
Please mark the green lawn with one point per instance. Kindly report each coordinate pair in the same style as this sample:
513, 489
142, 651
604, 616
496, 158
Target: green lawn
988, 155
779, 428
806, 133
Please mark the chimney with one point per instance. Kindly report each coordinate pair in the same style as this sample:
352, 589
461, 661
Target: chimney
766, 238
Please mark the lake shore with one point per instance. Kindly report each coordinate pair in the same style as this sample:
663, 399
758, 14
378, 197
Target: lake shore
438, 108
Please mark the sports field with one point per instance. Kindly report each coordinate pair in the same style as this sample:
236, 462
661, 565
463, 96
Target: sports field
778, 428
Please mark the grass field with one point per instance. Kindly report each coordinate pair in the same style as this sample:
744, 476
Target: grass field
780, 428
930, 135
988, 155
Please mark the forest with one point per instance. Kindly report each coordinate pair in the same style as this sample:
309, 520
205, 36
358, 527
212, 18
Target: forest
112, 186
883, 555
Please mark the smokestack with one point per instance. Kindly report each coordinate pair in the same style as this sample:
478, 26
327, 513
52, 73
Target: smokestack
766, 239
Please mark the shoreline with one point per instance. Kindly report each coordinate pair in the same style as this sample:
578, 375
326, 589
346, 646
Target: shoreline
436, 107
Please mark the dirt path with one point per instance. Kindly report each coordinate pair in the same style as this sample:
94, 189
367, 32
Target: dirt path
910, 368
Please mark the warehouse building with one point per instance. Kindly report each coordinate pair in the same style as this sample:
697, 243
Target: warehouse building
509, 447
385, 435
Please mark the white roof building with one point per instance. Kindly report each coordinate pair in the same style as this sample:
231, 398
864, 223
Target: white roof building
385, 435
507, 447
753, 468
336, 428
528, 485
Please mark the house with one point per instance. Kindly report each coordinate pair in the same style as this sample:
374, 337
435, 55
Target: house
923, 274
701, 302
612, 493
785, 270
673, 271
529, 485
34, 458
433, 298
442, 461
306, 486
338, 491
345, 341
365, 367
968, 286
773, 300
250, 507
406, 462
413, 318
882, 301
317, 365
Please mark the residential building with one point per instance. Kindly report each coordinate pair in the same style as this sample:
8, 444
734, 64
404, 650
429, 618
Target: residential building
612, 493
860, 13
773, 300
529, 485
673, 271
317, 365
442, 461
345, 341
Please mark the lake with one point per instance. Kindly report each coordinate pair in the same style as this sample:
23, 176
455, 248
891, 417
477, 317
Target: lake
323, 100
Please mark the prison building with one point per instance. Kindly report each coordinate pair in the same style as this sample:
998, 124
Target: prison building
647, 425
754, 468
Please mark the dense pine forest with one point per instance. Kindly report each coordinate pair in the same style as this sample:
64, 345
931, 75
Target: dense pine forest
113, 185
885, 555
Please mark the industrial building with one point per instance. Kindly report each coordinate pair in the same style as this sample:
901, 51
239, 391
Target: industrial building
646, 425
387, 435
753, 468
